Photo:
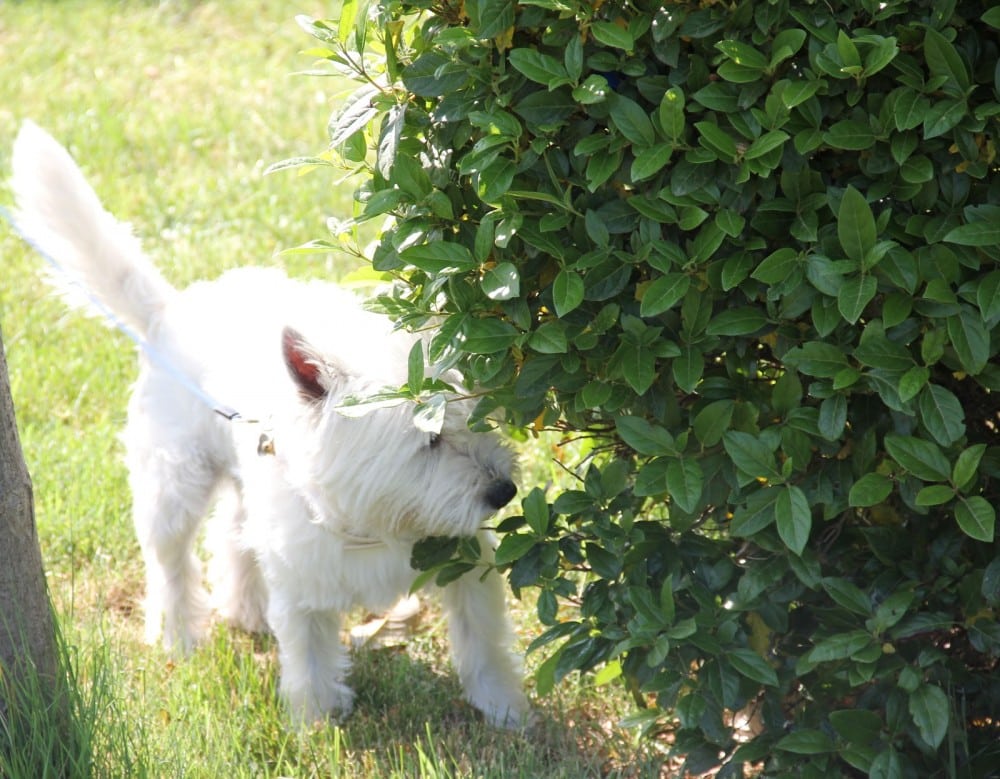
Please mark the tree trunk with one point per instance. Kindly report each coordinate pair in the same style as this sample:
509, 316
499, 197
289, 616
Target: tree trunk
27, 632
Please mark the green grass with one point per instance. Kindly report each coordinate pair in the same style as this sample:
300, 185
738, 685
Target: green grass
174, 110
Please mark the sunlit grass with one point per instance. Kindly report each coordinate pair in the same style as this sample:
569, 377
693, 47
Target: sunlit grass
174, 110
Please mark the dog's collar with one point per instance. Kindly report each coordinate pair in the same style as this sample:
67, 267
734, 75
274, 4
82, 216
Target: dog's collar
352, 542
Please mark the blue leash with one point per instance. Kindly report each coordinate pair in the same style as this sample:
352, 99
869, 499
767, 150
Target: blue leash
152, 354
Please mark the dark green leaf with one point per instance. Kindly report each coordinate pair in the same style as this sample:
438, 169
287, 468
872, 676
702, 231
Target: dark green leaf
737, 321
944, 60
976, 517
869, 490
817, 358
914, 380
491, 18
921, 458
990, 588
487, 336
848, 595
856, 225
967, 466
765, 144
415, 368
651, 161
832, 417
840, 646
638, 364
684, 483
756, 514
930, 709
664, 293
536, 511
797, 92
806, 742
794, 518
855, 295
748, 663
567, 291
850, 135
432, 75
717, 140
778, 266
688, 367
887, 765
611, 34
550, 338
632, 120
858, 726
645, 437
602, 562
970, 340
975, 234
934, 495
514, 547
539, 67
911, 108
942, 414
440, 257
743, 54
750, 455
542, 108
988, 295
712, 421
671, 113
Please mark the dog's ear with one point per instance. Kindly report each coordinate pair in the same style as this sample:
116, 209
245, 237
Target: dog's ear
304, 365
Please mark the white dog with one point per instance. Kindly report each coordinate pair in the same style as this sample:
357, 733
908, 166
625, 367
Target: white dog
324, 517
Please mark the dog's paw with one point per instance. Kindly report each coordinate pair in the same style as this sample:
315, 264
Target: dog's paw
308, 709
518, 720
247, 616
178, 637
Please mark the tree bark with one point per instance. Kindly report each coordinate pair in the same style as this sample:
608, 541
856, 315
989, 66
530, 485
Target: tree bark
27, 631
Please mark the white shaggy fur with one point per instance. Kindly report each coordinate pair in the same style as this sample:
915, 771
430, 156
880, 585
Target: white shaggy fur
328, 521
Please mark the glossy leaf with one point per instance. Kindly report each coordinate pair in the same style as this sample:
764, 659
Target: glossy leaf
684, 483
977, 518
567, 291
794, 518
921, 458
751, 665
942, 414
930, 710
869, 490
855, 225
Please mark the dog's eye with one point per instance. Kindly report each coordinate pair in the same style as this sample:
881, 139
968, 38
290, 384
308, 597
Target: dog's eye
434, 440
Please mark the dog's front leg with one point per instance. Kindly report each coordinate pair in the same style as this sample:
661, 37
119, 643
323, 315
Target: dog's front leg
314, 663
481, 639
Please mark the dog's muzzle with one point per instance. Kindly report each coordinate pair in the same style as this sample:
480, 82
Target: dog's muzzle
500, 493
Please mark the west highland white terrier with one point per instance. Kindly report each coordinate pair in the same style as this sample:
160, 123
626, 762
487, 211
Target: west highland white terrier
320, 519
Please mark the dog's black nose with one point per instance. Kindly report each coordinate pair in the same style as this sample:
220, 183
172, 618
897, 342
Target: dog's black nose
500, 493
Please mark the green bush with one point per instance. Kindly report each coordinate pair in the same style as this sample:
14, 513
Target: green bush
751, 252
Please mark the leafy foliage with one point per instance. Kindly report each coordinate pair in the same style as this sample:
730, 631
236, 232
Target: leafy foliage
751, 251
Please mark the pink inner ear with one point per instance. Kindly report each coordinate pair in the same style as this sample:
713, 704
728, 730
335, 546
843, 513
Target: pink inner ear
304, 370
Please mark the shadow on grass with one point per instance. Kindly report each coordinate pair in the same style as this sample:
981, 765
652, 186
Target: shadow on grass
409, 720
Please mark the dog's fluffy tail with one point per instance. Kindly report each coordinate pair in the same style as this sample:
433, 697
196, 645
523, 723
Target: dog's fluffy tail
97, 257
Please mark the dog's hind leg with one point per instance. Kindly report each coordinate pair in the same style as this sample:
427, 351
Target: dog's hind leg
171, 493
481, 639
239, 592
